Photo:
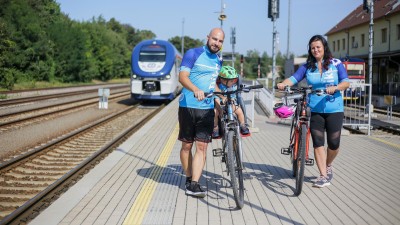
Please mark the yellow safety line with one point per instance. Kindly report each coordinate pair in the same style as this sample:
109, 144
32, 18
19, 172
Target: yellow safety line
139, 207
386, 142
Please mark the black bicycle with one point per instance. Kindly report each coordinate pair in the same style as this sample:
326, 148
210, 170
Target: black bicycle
232, 151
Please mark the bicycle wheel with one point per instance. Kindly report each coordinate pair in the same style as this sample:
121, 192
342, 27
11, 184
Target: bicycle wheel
293, 137
301, 159
235, 168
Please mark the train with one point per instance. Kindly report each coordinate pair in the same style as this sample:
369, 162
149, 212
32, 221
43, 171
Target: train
155, 70
356, 73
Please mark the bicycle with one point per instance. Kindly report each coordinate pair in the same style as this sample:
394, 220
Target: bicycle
299, 137
232, 151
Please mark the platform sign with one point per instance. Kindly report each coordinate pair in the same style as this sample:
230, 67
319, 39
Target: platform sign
104, 93
389, 100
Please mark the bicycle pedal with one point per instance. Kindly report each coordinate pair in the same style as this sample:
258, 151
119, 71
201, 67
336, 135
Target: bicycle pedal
310, 162
217, 152
286, 151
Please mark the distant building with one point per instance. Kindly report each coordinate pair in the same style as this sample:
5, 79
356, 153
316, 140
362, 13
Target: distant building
350, 38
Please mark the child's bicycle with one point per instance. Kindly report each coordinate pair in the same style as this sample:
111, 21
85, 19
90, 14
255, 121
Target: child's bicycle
232, 152
299, 138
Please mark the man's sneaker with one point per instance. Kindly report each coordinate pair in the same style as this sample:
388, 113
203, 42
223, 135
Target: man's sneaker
215, 133
244, 130
188, 181
321, 182
329, 173
194, 189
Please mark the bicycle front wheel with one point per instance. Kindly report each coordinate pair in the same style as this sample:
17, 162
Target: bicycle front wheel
301, 159
235, 168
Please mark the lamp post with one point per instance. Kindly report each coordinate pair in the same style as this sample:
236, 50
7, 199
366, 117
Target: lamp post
222, 17
183, 37
273, 13
369, 6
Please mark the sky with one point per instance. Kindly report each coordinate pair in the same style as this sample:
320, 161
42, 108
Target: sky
249, 18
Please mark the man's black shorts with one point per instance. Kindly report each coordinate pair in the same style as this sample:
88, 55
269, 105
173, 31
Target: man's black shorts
195, 124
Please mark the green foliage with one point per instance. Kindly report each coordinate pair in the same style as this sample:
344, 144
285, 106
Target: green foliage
187, 42
38, 43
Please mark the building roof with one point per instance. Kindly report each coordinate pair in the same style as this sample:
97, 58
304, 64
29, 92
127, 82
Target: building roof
360, 16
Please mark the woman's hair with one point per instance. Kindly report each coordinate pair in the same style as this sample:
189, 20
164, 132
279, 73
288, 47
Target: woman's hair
327, 53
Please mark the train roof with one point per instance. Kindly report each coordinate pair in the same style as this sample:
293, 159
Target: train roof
154, 45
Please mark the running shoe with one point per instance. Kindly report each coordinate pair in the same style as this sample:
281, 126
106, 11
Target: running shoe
329, 173
321, 182
195, 190
244, 130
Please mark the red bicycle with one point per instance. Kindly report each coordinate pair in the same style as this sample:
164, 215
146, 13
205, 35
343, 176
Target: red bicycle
295, 99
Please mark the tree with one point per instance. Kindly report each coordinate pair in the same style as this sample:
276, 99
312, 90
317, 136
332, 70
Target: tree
188, 42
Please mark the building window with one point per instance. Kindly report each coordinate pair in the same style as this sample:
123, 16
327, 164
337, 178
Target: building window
398, 31
334, 45
338, 45
344, 44
384, 35
362, 40
353, 42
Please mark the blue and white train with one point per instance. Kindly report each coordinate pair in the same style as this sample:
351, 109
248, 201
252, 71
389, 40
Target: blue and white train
155, 68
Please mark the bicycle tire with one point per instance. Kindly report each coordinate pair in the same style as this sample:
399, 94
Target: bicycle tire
301, 159
235, 169
294, 137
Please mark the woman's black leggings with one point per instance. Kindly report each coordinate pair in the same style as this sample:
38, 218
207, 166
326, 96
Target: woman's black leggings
331, 123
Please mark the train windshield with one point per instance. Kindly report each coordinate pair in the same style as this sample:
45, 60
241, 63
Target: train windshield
152, 53
355, 69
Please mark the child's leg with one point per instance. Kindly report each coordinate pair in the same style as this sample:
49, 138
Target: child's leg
240, 115
217, 111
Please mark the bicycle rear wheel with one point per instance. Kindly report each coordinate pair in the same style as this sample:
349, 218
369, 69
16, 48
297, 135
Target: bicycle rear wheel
235, 168
301, 159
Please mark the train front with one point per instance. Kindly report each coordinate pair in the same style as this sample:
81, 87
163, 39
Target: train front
155, 66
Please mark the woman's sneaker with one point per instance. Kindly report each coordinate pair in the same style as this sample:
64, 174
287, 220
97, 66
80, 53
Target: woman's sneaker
321, 182
329, 173
194, 189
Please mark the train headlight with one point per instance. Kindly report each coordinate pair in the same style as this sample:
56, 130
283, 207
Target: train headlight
168, 77
134, 76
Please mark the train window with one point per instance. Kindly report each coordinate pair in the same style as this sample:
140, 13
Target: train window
152, 53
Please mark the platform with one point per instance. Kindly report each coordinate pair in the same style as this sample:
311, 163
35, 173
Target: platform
142, 183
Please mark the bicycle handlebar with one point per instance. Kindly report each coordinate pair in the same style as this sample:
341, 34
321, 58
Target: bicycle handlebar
241, 89
305, 90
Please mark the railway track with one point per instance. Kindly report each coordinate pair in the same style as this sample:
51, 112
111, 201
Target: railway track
15, 120
30, 181
35, 98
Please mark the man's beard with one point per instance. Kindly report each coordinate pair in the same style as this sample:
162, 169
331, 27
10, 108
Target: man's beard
209, 47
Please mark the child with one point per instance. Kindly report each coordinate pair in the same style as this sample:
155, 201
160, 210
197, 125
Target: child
227, 81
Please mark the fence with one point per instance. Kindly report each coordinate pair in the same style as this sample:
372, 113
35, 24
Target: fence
356, 110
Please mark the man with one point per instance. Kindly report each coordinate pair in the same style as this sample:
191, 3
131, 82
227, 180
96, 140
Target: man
198, 73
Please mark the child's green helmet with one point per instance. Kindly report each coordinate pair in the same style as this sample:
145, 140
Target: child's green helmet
228, 72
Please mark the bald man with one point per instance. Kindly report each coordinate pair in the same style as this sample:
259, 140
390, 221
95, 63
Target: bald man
198, 73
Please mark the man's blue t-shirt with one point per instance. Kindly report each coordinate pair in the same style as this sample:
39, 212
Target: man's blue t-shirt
203, 67
335, 74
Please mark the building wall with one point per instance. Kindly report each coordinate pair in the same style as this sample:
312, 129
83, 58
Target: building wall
356, 48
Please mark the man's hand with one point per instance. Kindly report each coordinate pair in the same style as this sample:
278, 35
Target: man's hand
199, 94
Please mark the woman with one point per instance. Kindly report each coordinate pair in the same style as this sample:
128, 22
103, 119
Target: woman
322, 71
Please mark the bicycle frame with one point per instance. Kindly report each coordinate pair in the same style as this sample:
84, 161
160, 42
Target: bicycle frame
230, 121
232, 152
299, 136
300, 117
